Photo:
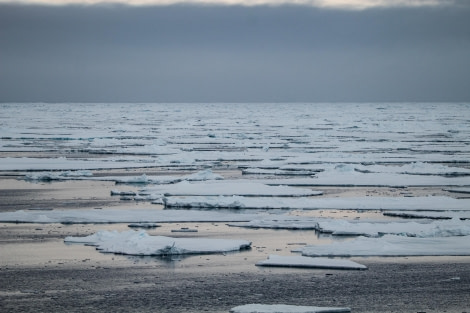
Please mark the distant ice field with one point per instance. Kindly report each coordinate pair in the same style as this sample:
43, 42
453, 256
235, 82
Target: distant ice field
280, 156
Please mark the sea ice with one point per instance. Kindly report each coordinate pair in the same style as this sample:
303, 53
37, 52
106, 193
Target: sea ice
120, 216
415, 168
309, 262
392, 245
140, 243
64, 164
436, 203
284, 308
49, 176
338, 227
348, 179
454, 227
228, 188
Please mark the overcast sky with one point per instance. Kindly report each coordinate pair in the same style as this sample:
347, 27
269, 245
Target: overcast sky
328, 50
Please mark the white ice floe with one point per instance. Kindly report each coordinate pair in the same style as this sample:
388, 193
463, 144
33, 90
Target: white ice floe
392, 245
430, 203
448, 228
65, 164
120, 216
328, 178
284, 308
228, 188
140, 243
338, 227
50, 176
140, 179
415, 168
309, 262
280, 222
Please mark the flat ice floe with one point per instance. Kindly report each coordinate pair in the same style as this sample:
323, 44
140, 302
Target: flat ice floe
309, 262
119, 216
337, 227
228, 188
415, 168
284, 308
140, 243
141, 179
448, 228
356, 179
430, 203
392, 245
64, 164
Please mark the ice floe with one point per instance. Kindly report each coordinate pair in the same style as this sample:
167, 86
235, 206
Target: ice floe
120, 216
350, 179
454, 227
430, 203
228, 188
140, 179
339, 227
392, 245
415, 168
69, 164
285, 308
141, 243
50, 176
309, 262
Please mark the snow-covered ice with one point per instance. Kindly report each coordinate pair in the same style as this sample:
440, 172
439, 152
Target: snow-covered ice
228, 188
285, 308
430, 203
448, 228
140, 243
120, 216
392, 245
309, 262
338, 227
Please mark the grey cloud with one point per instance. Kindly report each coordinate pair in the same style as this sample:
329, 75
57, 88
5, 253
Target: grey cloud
217, 53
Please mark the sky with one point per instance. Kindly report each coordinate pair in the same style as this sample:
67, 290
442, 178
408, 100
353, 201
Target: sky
234, 51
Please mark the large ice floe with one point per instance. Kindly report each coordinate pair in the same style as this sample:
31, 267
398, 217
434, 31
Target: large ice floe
229, 188
392, 245
119, 216
140, 179
338, 227
430, 203
140, 243
309, 262
285, 308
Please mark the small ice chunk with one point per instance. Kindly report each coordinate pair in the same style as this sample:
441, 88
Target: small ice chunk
308, 262
284, 308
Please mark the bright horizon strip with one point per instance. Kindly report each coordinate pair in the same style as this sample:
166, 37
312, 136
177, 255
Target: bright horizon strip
331, 4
